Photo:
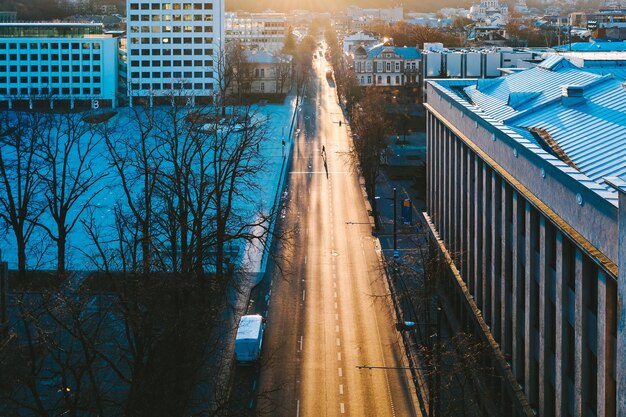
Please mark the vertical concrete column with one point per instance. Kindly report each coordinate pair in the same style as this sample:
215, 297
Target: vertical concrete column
430, 157
580, 338
506, 272
449, 177
496, 256
620, 365
463, 204
478, 235
560, 361
440, 176
544, 313
486, 243
457, 203
471, 225
606, 353
518, 288
531, 306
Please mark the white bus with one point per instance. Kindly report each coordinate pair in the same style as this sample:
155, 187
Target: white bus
249, 339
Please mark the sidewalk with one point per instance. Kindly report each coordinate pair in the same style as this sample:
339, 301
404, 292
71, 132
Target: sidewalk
410, 238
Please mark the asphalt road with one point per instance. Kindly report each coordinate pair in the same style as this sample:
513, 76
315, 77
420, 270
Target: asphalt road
329, 308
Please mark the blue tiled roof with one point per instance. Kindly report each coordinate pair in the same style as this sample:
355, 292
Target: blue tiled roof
592, 132
543, 83
404, 51
594, 46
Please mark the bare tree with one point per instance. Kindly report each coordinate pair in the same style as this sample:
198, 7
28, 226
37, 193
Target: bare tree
135, 161
235, 164
370, 130
20, 177
70, 178
284, 73
228, 58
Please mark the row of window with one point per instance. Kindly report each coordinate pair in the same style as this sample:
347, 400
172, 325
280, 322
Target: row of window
65, 69
167, 52
175, 63
255, 33
49, 45
173, 18
44, 91
384, 66
170, 41
174, 74
49, 57
168, 29
170, 86
204, 5
55, 79
380, 80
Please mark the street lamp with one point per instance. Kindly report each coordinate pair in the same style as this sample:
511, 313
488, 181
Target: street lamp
396, 253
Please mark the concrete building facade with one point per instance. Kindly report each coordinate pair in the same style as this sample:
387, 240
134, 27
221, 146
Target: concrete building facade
385, 65
526, 193
48, 64
262, 31
263, 73
174, 48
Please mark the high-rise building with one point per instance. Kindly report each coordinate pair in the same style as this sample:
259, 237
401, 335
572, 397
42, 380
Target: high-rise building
174, 48
57, 64
526, 193
261, 31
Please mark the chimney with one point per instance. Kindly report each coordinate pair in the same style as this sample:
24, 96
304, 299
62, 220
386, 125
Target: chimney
572, 95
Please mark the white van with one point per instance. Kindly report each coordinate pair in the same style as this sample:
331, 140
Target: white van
249, 339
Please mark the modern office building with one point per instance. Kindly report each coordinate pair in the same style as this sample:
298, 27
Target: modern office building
526, 193
57, 64
261, 31
174, 48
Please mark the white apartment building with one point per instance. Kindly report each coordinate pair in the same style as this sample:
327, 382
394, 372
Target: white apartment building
173, 49
57, 64
261, 31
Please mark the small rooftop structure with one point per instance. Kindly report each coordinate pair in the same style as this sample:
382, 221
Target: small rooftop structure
50, 30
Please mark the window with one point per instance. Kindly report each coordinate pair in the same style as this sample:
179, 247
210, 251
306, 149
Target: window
262, 86
388, 66
397, 66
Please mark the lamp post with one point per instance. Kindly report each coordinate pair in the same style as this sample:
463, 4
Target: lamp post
396, 254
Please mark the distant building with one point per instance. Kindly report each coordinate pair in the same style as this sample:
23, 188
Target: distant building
53, 64
527, 189
386, 65
351, 42
388, 15
440, 62
494, 35
491, 12
173, 49
263, 73
262, 31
